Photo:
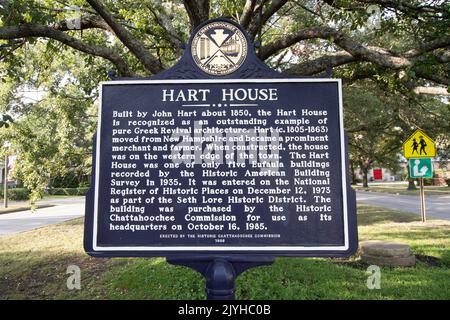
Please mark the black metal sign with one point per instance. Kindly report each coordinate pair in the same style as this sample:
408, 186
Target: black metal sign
222, 158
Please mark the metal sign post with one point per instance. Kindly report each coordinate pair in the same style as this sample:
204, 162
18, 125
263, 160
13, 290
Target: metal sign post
220, 272
422, 201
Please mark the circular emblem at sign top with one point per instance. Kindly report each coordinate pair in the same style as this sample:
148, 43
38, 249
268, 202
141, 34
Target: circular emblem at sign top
219, 48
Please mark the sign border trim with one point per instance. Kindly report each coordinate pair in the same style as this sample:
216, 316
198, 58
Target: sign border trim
205, 249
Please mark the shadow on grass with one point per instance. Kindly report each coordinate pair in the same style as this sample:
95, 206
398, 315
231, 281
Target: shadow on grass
287, 278
322, 279
40, 275
154, 278
27, 271
369, 215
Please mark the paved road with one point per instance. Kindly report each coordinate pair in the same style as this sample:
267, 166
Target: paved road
438, 207
63, 209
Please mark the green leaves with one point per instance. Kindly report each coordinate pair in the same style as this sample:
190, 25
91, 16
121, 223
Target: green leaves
53, 139
372, 125
4, 121
52, 129
27, 17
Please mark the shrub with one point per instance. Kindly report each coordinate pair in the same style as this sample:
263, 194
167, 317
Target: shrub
69, 180
448, 182
68, 191
84, 184
17, 194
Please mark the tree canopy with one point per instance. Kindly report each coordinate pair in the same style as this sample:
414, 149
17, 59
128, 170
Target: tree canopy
400, 41
377, 124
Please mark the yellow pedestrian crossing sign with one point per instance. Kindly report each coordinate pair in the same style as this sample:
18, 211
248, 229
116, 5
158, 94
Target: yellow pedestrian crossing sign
419, 145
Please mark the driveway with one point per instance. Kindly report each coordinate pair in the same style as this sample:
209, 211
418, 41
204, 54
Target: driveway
62, 210
438, 207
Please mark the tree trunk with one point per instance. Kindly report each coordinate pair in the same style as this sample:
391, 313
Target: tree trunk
365, 172
352, 174
411, 184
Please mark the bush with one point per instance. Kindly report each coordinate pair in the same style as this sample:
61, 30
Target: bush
358, 180
68, 191
69, 180
448, 182
428, 181
84, 184
17, 194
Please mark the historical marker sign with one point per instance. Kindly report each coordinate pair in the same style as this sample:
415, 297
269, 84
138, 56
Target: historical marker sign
228, 165
221, 166
419, 145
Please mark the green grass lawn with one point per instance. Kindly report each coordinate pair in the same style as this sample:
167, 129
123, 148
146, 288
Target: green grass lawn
33, 266
402, 189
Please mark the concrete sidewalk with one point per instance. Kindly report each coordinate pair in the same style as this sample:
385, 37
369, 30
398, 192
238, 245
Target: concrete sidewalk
46, 201
62, 210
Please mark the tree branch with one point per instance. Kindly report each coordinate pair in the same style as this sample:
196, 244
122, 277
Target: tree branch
359, 75
428, 46
166, 23
443, 57
432, 77
247, 13
197, 10
13, 48
131, 42
86, 22
30, 30
321, 64
359, 51
406, 7
290, 39
273, 8
431, 90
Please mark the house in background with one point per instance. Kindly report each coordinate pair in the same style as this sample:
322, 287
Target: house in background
11, 162
441, 171
380, 174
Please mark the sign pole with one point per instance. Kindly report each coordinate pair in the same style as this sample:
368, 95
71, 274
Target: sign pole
220, 272
220, 280
422, 202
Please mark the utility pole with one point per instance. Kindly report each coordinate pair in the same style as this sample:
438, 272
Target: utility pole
5, 183
6, 145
